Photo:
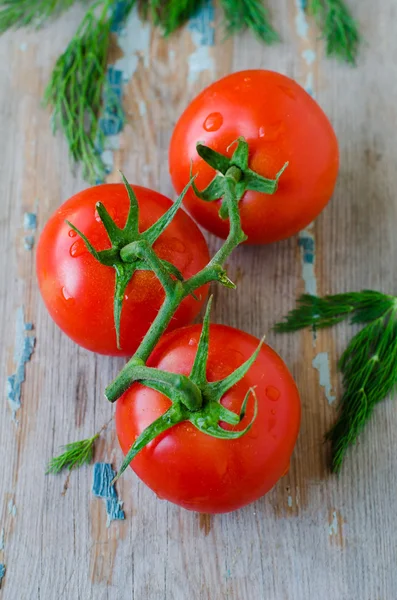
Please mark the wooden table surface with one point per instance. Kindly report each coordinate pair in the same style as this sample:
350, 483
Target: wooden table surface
314, 536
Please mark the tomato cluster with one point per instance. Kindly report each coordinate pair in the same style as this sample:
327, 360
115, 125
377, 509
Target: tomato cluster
281, 124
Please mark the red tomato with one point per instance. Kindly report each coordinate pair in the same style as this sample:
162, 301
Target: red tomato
193, 469
78, 291
281, 123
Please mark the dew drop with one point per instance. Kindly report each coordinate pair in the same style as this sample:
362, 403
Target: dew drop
72, 233
77, 249
192, 342
271, 424
66, 294
213, 122
288, 91
272, 393
261, 132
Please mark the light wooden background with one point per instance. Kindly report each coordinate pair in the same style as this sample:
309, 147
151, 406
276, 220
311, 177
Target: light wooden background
314, 536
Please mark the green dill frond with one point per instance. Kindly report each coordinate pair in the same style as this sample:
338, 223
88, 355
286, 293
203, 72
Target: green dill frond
77, 87
340, 30
313, 311
34, 13
251, 14
74, 456
170, 14
369, 363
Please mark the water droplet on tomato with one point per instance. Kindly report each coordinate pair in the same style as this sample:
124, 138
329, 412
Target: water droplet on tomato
271, 424
274, 131
125, 297
97, 217
272, 393
288, 91
72, 233
261, 132
213, 122
78, 248
66, 294
192, 342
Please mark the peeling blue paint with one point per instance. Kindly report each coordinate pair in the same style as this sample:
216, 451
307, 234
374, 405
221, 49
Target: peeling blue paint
29, 224
202, 28
28, 242
24, 346
321, 363
12, 508
203, 24
2, 573
301, 24
134, 40
2, 537
307, 245
103, 475
29, 221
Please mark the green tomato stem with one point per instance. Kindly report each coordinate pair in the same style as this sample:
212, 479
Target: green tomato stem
176, 291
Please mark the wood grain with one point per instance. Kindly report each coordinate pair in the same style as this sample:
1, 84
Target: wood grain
314, 536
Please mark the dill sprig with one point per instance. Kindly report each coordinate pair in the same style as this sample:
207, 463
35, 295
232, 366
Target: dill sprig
340, 30
171, 14
75, 455
369, 363
251, 14
78, 85
34, 13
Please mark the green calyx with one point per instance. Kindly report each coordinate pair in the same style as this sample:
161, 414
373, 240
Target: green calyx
131, 250
237, 168
193, 398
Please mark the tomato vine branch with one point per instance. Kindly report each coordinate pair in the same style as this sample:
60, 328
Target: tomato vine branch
193, 398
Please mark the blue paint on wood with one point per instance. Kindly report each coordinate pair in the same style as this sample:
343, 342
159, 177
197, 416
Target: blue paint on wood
24, 346
112, 121
307, 245
119, 13
12, 508
29, 224
29, 221
2, 573
103, 475
28, 242
2, 537
203, 24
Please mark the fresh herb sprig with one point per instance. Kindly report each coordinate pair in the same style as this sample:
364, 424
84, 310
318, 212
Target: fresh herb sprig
249, 14
75, 455
339, 28
30, 13
369, 363
78, 85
